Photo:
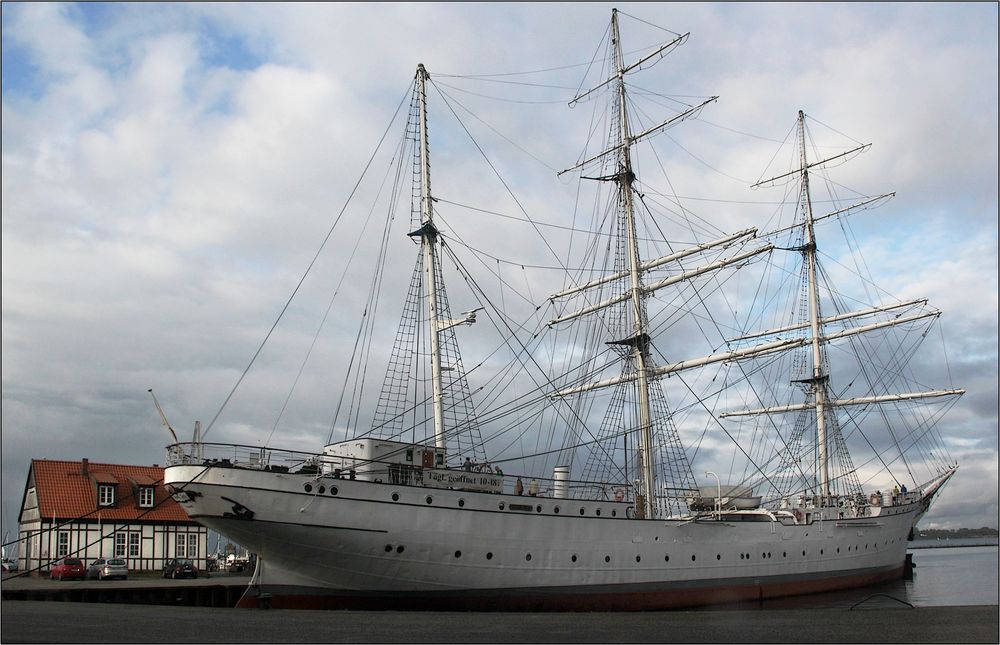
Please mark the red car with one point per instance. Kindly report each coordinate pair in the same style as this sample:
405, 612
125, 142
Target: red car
68, 568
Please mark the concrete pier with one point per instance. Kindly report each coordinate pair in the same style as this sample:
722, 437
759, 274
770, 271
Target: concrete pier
58, 622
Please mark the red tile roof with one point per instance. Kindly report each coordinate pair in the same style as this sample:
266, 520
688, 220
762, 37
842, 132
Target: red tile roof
142, 480
65, 492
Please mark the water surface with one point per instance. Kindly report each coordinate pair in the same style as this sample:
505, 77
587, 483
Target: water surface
943, 577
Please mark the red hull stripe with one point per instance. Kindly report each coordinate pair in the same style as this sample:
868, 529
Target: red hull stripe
603, 600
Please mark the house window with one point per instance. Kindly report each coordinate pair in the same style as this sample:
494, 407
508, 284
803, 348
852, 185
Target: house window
192, 545
120, 545
63, 543
180, 546
105, 495
146, 497
133, 544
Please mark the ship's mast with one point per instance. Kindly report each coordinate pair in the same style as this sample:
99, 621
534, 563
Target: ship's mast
428, 238
640, 339
819, 379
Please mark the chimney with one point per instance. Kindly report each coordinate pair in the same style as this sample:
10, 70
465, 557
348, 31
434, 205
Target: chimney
85, 467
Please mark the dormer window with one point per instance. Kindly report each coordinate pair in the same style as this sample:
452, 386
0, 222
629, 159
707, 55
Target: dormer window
146, 497
106, 495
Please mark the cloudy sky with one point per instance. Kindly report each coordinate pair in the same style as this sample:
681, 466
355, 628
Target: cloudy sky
169, 170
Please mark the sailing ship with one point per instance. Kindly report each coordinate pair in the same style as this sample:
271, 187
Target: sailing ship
414, 510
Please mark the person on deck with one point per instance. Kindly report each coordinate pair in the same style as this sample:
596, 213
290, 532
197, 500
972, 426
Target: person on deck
533, 488
468, 465
518, 487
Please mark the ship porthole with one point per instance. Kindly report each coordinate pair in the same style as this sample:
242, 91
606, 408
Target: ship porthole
538, 509
501, 505
741, 556
666, 558
489, 556
388, 548
718, 556
784, 554
693, 558
607, 558
461, 502
399, 549
458, 554
395, 497
333, 490
597, 512
838, 549
803, 553
763, 556
528, 557
308, 488
581, 511
429, 499
573, 558
614, 513
821, 551
638, 558
322, 489
556, 510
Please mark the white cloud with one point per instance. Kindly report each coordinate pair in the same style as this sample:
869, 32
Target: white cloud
160, 198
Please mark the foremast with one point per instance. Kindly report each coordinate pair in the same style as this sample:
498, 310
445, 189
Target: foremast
819, 378
640, 338
830, 443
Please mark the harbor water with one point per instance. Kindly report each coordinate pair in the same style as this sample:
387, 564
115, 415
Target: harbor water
953, 576
942, 577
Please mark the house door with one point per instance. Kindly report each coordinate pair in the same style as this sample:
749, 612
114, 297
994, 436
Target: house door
28, 543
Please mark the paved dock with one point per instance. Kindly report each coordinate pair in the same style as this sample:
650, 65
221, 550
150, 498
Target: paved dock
217, 590
57, 622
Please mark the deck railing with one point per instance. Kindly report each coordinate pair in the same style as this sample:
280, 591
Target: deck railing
480, 477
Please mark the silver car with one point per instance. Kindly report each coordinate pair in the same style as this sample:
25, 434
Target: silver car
111, 568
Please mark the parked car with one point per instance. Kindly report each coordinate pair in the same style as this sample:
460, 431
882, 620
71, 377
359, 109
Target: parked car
68, 568
180, 569
103, 569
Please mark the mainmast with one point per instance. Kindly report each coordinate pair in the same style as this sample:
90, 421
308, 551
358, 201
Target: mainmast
632, 269
819, 379
428, 239
640, 338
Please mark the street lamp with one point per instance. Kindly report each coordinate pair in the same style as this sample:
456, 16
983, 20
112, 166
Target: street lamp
718, 498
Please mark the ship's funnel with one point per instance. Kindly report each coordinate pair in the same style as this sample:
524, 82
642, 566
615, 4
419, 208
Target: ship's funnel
561, 487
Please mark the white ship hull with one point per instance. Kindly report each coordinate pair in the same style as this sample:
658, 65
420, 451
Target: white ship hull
349, 543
